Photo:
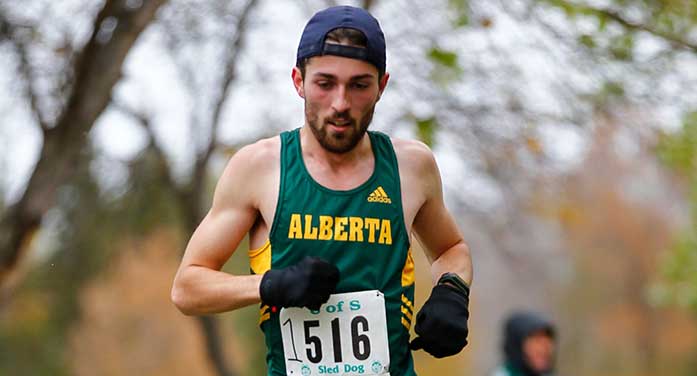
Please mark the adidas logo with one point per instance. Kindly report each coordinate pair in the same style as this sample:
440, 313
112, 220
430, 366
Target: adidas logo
379, 195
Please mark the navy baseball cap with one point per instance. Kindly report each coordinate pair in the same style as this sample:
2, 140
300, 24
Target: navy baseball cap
312, 41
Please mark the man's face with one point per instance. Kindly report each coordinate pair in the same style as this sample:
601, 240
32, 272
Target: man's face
340, 95
539, 351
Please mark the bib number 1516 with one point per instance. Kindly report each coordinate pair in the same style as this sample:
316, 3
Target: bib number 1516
359, 340
348, 335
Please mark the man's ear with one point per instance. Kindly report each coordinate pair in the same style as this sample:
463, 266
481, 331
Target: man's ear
298, 81
383, 84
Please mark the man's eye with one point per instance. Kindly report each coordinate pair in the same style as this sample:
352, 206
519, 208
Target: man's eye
324, 84
360, 85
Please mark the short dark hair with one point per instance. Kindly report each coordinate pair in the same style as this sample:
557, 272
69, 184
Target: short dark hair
346, 36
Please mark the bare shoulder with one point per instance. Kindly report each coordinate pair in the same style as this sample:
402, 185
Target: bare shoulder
259, 154
414, 157
418, 173
254, 159
248, 169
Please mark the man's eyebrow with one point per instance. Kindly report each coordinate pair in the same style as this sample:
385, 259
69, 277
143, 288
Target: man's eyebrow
362, 77
325, 75
354, 78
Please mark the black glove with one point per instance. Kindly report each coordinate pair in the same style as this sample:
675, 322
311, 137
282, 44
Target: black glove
305, 284
441, 324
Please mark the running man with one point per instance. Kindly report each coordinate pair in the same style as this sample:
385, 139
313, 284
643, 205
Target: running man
330, 208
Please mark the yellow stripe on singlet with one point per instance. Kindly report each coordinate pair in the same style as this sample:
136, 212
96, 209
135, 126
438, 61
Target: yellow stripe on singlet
407, 309
406, 313
260, 263
260, 258
408, 270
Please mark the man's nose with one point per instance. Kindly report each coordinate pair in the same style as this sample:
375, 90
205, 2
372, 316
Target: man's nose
341, 101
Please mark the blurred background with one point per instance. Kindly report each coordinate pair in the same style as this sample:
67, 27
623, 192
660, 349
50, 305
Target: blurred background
565, 131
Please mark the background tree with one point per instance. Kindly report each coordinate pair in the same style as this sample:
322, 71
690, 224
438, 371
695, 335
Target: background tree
77, 95
219, 26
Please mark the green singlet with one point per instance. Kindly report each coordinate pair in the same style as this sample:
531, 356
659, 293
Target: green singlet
362, 232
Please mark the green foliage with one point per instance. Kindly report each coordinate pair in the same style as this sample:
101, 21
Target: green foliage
442, 57
679, 271
426, 130
622, 47
602, 22
608, 94
666, 22
671, 20
460, 9
613, 89
446, 68
587, 40
568, 8
678, 151
675, 17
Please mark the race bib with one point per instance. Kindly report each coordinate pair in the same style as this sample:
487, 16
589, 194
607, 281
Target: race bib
346, 336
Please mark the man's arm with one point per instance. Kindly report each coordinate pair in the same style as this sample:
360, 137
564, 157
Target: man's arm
441, 324
435, 226
199, 286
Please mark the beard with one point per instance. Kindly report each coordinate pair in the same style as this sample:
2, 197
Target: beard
336, 142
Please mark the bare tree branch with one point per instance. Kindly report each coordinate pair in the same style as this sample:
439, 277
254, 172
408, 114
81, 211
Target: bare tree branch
617, 17
192, 195
144, 121
229, 76
25, 71
5, 27
17, 38
97, 69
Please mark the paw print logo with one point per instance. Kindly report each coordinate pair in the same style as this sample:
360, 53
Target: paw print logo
376, 367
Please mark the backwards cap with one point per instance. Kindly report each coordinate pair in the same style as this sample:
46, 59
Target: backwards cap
312, 41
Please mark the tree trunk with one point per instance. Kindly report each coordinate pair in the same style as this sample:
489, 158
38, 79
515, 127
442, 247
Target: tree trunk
96, 71
214, 345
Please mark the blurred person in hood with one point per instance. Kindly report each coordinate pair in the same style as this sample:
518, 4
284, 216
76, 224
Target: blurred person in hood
529, 346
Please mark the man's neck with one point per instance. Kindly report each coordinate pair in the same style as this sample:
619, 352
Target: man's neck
335, 161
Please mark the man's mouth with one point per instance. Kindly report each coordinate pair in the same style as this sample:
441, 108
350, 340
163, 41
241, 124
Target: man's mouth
340, 123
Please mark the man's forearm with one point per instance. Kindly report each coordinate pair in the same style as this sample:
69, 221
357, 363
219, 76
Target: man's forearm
199, 291
455, 259
441, 324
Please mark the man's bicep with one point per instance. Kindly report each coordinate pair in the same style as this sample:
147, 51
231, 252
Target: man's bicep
217, 237
436, 228
231, 216
433, 224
